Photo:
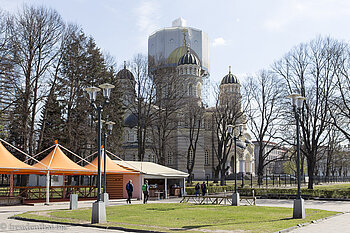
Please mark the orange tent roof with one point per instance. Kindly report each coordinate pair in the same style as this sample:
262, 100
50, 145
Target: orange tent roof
9, 163
58, 163
111, 167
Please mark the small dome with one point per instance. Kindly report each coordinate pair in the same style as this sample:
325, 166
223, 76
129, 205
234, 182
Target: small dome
230, 78
125, 73
189, 58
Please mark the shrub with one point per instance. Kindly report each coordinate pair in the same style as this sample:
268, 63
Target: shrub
337, 193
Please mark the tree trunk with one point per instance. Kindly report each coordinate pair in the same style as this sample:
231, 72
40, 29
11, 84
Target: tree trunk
311, 169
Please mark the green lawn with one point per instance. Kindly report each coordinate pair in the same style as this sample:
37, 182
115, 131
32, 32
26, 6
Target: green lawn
190, 218
343, 186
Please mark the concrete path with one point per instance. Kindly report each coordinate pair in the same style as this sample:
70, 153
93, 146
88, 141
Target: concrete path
339, 223
12, 225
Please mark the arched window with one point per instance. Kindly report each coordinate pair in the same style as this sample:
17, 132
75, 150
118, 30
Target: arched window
170, 158
190, 158
190, 90
130, 136
206, 157
199, 90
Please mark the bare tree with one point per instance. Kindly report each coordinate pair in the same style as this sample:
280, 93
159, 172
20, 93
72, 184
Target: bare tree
35, 38
193, 114
227, 112
53, 79
310, 69
340, 108
263, 95
142, 106
168, 104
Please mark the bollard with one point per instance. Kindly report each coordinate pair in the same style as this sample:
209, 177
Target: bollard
73, 202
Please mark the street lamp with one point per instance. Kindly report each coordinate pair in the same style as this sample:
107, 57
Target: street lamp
231, 132
109, 132
297, 103
99, 207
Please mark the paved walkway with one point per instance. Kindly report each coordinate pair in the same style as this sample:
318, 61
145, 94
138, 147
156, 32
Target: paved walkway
339, 223
12, 225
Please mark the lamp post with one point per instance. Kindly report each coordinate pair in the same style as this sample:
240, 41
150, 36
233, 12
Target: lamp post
109, 132
298, 207
230, 129
98, 207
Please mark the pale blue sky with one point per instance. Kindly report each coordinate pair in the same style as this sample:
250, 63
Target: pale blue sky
249, 35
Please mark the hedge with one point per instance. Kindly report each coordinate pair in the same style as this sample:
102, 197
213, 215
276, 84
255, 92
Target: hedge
337, 193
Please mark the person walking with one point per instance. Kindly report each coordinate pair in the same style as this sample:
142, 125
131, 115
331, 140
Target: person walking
204, 188
198, 189
145, 190
129, 189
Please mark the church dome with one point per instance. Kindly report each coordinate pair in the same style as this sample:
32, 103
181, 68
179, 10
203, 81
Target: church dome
125, 73
178, 53
188, 59
230, 78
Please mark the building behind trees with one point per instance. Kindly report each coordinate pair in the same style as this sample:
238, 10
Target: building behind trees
178, 63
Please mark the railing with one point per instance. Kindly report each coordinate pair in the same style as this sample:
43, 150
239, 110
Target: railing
56, 192
278, 180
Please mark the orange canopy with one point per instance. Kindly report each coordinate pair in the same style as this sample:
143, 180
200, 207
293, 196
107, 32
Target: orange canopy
111, 167
58, 163
9, 163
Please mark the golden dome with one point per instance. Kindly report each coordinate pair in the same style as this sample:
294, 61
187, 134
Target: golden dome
175, 55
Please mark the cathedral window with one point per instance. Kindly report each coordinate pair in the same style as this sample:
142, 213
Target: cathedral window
199, 90
190, 90
130, 136
170, 158
190, 156
206, 157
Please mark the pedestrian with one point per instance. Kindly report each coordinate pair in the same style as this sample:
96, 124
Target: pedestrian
197, 188
129, 189
204, 188
145, 190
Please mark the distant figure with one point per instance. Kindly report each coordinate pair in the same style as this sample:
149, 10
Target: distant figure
129, 189
145, 190
198, 189
204, 188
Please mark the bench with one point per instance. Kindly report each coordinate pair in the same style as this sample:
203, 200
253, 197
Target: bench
216, 199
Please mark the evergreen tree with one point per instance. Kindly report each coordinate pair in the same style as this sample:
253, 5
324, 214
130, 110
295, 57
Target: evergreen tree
54, 123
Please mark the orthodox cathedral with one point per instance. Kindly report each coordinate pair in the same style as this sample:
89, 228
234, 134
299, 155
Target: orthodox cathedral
181, 54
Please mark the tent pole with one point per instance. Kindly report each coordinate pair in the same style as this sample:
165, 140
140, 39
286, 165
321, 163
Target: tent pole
64, 187
184, 191
166, 188
141, 183
47, 188
11, 184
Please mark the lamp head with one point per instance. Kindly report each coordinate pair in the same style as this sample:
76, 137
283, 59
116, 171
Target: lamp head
110, 126
106, 89
230, 129
240, 128
300, 101
92, 91
293, 96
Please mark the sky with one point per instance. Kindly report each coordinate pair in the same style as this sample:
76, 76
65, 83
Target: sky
248, 35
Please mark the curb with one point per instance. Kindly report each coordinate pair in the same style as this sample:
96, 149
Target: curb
84, 225
308, 223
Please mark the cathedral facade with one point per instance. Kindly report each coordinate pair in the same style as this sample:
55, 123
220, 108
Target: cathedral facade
178, 59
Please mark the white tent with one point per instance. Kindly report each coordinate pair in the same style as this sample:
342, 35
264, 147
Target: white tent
151, 170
